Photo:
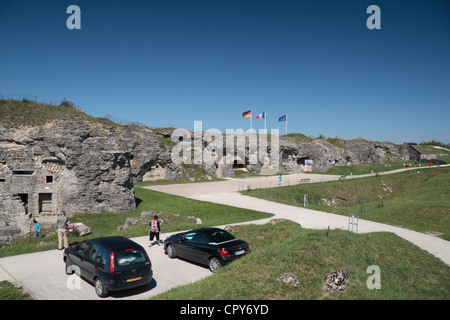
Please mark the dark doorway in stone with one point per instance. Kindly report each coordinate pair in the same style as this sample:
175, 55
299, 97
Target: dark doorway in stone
45, 202
24, 198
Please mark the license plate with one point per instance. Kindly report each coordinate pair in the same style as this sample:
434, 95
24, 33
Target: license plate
134, 279
237, 253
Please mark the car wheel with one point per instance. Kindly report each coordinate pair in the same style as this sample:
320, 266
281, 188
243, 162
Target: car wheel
171, 251
100, 288
214, 264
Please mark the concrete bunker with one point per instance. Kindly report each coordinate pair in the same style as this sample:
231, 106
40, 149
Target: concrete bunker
35, 188
45, 203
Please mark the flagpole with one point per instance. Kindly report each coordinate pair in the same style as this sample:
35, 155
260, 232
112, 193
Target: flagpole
265, 117
251, 116
286, 124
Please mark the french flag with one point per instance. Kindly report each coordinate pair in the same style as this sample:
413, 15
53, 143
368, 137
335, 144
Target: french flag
261, 115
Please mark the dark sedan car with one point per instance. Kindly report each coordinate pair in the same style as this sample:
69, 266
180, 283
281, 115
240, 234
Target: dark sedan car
110, 263
213, 247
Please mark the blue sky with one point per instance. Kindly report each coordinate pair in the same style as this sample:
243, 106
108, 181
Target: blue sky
168, 63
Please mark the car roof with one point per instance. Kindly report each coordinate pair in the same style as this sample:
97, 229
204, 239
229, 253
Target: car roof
116, 242
206, 230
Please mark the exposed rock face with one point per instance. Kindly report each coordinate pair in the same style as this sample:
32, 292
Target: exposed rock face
12, 216
323, 155
290, 279
79, 165
147, 154
315, 155
336, 281
74, 165
92, 168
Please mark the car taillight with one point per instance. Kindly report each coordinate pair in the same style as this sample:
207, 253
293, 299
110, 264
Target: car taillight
224, 253
111, 263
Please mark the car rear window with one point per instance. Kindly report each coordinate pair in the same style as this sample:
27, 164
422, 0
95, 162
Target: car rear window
129, 257
221, 236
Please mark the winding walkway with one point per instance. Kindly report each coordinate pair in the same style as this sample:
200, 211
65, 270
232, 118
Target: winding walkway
227, 193
42, 273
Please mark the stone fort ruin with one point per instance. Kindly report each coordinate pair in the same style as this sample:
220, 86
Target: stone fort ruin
28, 189
81, 164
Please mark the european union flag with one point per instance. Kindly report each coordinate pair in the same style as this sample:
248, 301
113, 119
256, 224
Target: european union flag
283, 118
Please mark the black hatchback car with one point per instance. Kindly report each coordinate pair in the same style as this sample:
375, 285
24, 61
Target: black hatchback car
110, 263
213, 247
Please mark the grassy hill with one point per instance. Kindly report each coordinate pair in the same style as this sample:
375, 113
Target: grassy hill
296, 137
435, 148
30, 113
407, 272
417, 199
17, 113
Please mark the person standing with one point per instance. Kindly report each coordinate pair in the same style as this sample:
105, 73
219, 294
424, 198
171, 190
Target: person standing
155, 230
37, 228
62, 230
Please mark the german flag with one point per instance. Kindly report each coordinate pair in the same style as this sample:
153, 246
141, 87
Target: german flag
247, 114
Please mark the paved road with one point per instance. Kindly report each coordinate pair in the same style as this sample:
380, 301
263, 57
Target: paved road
42, 274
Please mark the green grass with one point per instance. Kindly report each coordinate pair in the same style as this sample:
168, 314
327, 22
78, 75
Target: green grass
406, 271
415, 199
105, 224
296, 137
9, 291
211, 214
337, 142
431, 149
17, 113
361, 168
30, 113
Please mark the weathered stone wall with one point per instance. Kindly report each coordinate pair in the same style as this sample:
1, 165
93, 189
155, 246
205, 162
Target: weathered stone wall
324, 154
90, 171
69, 164
409, 152
14, 222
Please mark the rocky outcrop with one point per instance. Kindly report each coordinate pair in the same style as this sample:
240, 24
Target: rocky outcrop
320, 155
336, 281
148, 156
73, 164
81, 164
90, 167
313, 155
13, 219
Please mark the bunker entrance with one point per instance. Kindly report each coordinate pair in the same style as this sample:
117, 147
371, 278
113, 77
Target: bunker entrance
45, 202
239, 164
24, 198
